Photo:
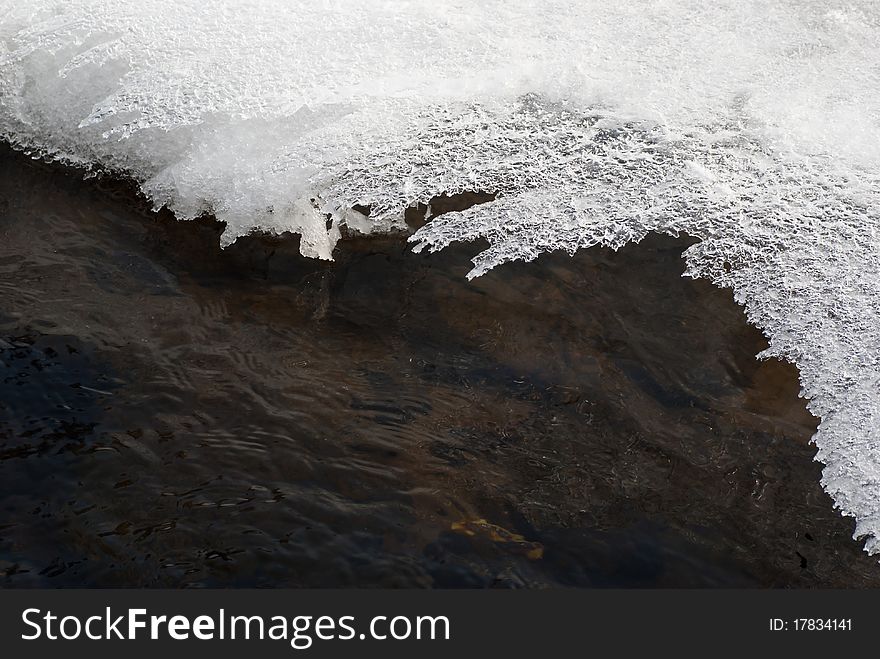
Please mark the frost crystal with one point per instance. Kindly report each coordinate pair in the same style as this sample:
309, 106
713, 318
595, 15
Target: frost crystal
755, 128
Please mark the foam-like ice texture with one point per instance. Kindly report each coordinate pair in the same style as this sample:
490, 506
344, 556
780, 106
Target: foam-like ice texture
752, 125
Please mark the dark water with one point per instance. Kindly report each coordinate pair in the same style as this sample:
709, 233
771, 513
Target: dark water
171, 415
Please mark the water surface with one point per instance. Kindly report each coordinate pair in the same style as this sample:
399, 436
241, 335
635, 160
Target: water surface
174, 415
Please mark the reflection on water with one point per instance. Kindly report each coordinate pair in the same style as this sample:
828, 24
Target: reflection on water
171, 415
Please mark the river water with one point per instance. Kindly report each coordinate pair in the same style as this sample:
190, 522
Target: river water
176, 415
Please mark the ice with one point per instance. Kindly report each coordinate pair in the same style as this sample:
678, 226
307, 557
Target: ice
754, 126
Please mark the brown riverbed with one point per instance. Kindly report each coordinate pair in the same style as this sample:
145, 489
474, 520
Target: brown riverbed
174, 415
